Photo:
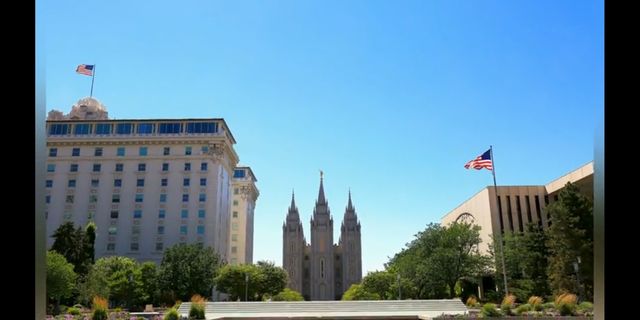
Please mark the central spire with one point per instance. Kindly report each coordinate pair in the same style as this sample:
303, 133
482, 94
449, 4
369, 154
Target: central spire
350, 205
321, 199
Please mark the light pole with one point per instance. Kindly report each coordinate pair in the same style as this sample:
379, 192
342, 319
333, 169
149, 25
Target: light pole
399, 287
576, 268
246, 287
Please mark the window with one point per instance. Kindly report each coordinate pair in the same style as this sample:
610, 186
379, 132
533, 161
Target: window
166, 151
69, 199
235, 202
163, 197
73, 167
203, 166
140, 183
98, 152
202, 127
169, 128
163, 182
48, 199
183, 229
234, 226
139, 197
103, 128
82, 128
235, 214
114, 214
236, 191
71, 183
49, 183
187, 166
205, 149
137, 214
160, 229
142, 167
321, 268
96, 167
124, 128
93, 198
134, 246
162, 214
185, 198
111, 246
59, 129
117, 182
113, 230
115, 198
184, 214
75, 152
234, 237
144, 128
51, 167
202, 197
95, 183
185, 182
142, 151
201, 213
120, 152
119, 167
53, 152
238, 173
165, 167
203, 182
159, 246
135, 230
234, 249
200, 229
187, 150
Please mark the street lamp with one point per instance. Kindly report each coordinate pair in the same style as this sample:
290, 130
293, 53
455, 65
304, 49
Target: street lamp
399, 287
576, 268
246, 287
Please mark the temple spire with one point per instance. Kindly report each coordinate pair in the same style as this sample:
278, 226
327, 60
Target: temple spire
321, 198
293, 199
350, 205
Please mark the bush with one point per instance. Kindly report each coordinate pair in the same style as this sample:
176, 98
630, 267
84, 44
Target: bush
73, 311
472, 301
566, 304
548, 305
585, 306
99, 314
171, 314
508, 304
536, 303
491, 296
197, 307
523, 308
489, 310
99, 308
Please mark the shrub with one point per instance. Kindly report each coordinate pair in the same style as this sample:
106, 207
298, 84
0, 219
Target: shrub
472, 301
585, 306
197, 307
99, 314
523, 308
99, 308
171, 314
548, 305
73, 311
508, 304
566, 304
489, 310
536, 303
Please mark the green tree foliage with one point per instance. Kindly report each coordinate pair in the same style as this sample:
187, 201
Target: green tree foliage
124, 279
89, 242
381, 283
570, 237
94, 284
231, 280
76, 245
60, 277
438, 258
272, 279
288, 295
188, 269
358, 292
149, 282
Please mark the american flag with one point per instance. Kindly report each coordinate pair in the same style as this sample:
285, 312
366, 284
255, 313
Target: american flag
482, 161
86, 69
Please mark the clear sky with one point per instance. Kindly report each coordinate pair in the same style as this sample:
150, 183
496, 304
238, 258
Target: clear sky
388, 98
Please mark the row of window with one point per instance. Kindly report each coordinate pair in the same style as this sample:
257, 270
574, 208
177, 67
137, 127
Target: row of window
121, 151
135, 230
137, 214
71, 183
119, 167
139, 197
129, 128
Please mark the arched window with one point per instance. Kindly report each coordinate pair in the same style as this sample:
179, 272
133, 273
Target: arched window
322, 268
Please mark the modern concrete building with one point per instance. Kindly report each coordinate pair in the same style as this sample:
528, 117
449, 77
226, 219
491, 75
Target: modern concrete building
516, 206
322, 270
146, 183
243, 204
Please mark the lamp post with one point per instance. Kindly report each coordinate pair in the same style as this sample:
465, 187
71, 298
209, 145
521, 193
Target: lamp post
576, 268
246, 287
399, 287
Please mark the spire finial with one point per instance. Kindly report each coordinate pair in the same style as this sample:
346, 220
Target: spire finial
321, 198
350, 205
321, 174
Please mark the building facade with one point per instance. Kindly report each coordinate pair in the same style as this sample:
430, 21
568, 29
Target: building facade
243, 204
146, 184
322, 270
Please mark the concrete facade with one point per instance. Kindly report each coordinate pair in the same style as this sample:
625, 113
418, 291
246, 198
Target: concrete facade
322, 270
146, 184
243, 206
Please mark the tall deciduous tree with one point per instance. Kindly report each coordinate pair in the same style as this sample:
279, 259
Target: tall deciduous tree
381, 283
188, 269
60, 277
239, 281
273, 279
570, 241
124, 279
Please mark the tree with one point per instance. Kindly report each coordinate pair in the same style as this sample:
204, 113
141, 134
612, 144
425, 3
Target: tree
60, 277
89, 242
94, 284
380, 282
149, 279
231, 280
273, 279
76, 245
358, 292
124, 279
288, 295
188, 269
570, 240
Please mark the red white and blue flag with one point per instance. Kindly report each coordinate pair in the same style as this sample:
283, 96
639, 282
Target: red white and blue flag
482, 161
86, 69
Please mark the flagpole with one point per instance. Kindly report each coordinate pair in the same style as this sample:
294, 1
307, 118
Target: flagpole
93, 76
495, 188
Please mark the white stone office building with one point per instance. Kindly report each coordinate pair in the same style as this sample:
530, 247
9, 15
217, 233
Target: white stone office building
146, 183
243, 204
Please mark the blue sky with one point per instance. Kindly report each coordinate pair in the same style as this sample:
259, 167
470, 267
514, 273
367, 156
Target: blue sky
388, 98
